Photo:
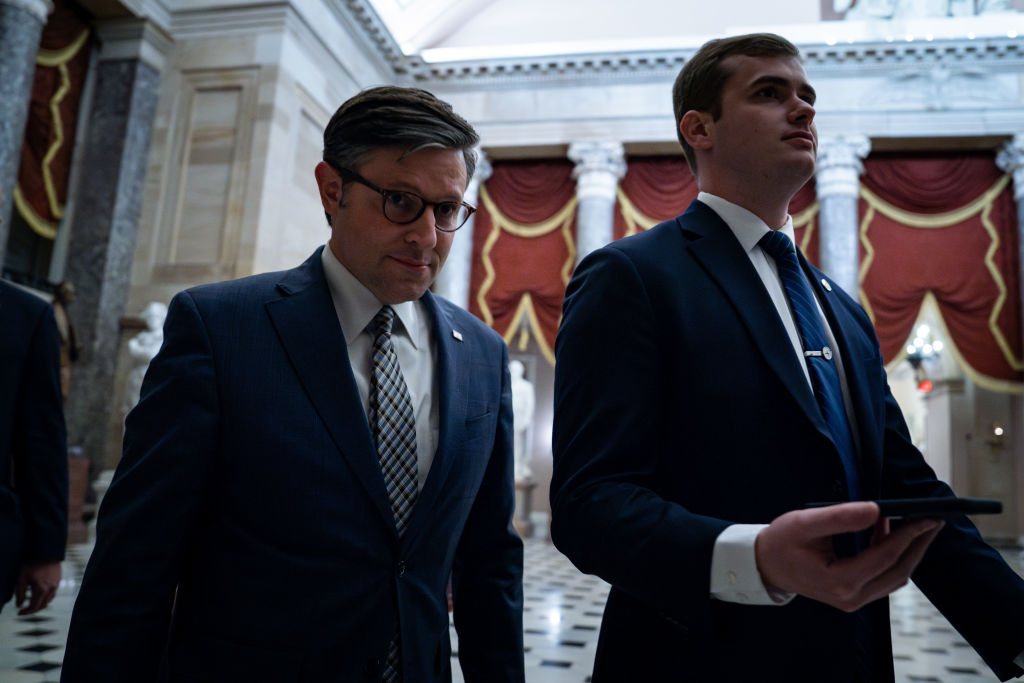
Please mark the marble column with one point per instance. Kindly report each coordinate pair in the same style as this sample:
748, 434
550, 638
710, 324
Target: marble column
106, 219
453, 281
837, 182
21, 25
599, 166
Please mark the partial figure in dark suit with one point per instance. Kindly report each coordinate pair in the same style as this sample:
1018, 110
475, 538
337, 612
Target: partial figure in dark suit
316, 451
33, 452
738, 383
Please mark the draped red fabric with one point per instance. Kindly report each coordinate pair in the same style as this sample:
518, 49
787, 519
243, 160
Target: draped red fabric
659, 187
507, 267
971, 267
53, 117
929, 183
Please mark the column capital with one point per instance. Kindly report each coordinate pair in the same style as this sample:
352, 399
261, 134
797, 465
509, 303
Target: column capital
132, 38
481, 173
839, 164
599, 166
1011, 160
38, 8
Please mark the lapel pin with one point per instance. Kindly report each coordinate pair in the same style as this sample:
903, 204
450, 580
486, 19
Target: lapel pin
457, 334
826, 285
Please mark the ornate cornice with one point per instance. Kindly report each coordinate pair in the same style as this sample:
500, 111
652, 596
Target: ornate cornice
377, 32
866, 56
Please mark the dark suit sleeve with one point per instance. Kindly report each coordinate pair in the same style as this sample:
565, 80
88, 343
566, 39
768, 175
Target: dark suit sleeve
40, 446
120, 620
965, 578
612, 427
487, 580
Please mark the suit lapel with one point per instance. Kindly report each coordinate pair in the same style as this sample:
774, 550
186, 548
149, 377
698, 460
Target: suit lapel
307, 325
720, 253
451, 398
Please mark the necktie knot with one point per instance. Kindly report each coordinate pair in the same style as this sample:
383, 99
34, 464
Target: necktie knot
777, 244
382, 322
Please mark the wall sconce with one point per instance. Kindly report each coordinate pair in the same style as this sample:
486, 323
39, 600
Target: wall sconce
998, 435
996, 441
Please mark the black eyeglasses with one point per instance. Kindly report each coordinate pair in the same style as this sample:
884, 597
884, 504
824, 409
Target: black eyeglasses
405, 207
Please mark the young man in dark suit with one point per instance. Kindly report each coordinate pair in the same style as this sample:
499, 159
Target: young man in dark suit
738, 384
33, 452
317, 451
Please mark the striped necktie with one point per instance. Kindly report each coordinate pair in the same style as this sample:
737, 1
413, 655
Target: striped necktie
819, 357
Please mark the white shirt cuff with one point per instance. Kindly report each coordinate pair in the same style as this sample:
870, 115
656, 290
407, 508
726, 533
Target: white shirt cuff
734, 574
1020, 660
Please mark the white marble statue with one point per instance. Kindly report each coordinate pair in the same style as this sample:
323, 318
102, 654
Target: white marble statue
523, 403
142, 347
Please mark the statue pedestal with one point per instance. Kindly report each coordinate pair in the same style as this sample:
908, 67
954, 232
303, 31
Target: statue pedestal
524, 506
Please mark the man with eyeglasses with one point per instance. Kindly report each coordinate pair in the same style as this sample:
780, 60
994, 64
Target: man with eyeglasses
318, 451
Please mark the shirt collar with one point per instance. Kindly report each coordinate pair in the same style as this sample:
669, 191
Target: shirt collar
748, 228
356, 305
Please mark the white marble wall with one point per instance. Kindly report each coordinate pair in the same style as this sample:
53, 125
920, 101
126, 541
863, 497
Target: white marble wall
230, 188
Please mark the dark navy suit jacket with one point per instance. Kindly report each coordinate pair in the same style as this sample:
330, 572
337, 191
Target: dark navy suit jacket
680, 408
250, 483
33, 447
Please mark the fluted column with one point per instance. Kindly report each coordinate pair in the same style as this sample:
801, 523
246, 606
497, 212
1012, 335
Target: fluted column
839, 167
599, 166
453, 280
21, 25
106, 219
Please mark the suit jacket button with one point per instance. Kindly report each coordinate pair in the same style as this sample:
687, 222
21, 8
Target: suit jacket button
401, 568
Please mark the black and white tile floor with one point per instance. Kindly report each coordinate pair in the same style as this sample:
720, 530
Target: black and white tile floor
561, 621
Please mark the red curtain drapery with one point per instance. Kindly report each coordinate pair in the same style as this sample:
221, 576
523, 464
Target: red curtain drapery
657, 188
654, 189
524, 249
931, 226
61, 68
944, 228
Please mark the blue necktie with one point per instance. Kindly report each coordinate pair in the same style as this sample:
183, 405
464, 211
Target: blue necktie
820, 362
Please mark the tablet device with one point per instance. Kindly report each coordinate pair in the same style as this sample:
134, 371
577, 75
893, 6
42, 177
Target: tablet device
932, 508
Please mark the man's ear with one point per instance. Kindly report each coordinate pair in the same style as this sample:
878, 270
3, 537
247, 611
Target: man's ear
697, 128
329, 182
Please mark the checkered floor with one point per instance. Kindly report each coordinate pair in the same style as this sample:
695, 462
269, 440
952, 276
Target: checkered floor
561, 621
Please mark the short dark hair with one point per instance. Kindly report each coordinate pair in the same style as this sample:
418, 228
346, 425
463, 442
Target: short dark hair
390, 116
700, 83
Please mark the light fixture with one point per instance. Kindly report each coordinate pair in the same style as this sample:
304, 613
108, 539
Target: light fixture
923, 347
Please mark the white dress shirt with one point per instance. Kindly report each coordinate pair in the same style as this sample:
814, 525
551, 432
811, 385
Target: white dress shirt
414, 344
734, 574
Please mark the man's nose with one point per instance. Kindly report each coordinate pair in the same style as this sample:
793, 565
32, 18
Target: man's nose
423, 230
802, 110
